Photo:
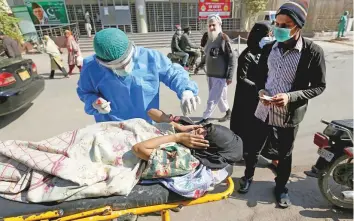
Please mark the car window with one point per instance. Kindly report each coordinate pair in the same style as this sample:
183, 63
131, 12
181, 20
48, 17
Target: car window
272, 16
266, 18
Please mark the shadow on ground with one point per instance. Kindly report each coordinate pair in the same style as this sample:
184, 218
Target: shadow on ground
57, 76
7, 119
304, 192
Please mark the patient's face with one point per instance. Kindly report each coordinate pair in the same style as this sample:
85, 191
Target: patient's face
200, 131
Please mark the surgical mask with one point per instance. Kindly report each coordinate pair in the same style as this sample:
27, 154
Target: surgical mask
282, 34
264, 41
126, 71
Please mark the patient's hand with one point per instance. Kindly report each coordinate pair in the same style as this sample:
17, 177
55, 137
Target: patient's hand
187, 128
192, 140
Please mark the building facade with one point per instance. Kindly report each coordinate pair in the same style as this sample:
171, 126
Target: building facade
145, 15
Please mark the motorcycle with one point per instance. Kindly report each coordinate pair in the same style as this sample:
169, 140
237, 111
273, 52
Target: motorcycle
335, 162
177, 59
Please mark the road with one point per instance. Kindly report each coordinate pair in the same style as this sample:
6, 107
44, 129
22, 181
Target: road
58, 109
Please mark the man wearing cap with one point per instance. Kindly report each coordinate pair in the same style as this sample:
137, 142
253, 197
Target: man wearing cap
175, 46
220, 61
122, 81
293, 69
187, 46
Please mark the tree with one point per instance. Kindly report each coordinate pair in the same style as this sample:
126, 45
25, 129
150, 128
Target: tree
253, 7
9, 24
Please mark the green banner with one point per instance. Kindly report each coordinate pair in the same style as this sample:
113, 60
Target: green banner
47, 12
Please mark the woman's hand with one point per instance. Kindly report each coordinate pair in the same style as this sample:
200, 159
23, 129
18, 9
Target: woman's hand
187, 128
192, 140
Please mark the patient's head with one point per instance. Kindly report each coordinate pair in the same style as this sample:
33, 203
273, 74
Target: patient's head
228, 144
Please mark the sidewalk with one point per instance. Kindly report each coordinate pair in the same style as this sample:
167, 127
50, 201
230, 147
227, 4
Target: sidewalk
259, 203
332, 37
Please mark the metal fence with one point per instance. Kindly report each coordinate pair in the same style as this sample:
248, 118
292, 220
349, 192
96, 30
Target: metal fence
58, 31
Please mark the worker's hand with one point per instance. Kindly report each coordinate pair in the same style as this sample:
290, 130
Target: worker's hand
261, 93
189, 102
192, 140
102, 106
280, 100
187, 128
228, 82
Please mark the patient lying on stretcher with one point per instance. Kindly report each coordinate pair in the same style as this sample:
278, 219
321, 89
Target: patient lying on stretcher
110, 158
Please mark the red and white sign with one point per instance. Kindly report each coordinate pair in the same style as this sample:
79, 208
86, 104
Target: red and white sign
208, 7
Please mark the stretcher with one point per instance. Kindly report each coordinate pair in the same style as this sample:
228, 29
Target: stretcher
143, 199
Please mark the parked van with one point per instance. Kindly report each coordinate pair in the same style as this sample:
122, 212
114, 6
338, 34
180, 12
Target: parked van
266, 16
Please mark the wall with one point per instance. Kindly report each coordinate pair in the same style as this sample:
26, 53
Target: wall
323, 15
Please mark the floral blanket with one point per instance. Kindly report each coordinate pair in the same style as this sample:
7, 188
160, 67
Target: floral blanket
90, 162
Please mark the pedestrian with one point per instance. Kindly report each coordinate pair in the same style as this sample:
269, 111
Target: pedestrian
246, 98
11, 46
342, 24
121, 81
74, 53
176, 38
293, 69
88, 26
56, 62
221, 65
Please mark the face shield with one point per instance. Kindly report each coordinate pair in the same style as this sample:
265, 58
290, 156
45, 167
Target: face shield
122, 66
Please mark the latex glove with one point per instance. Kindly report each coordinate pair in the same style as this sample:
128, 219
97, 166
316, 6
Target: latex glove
189, 102
102, 106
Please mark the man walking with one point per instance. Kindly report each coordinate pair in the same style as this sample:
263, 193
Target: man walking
88, 26
294, 71
220, 62
342, 24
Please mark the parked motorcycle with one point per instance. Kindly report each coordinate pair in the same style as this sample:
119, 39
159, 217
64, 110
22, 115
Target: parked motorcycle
334, 167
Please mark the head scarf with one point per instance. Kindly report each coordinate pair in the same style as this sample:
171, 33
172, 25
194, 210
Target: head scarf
225, 147
50, 47
259, 30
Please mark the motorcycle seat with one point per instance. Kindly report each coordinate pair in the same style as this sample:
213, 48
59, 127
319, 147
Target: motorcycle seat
348, 123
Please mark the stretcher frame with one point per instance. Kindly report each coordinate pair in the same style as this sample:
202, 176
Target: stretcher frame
107, 213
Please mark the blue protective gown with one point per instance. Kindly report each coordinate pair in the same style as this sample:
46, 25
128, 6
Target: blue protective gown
131, 96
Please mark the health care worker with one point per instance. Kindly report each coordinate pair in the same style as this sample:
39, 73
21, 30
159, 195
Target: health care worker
122, 81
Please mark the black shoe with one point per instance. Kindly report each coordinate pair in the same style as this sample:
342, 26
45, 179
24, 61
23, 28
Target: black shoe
245, 185
203, 122
282, 197
226, 117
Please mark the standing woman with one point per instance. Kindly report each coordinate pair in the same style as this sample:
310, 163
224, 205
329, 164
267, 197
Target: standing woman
74, 53
246, 96
56, 62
